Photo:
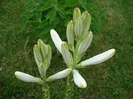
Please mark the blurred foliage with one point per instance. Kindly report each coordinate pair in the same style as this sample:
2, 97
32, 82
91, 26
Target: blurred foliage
44, 15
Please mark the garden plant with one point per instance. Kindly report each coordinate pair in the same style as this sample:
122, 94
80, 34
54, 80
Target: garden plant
79, 39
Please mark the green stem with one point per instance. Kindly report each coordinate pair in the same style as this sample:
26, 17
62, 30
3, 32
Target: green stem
45, 89
69, 87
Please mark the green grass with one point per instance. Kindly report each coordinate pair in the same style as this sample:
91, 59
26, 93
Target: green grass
111, 79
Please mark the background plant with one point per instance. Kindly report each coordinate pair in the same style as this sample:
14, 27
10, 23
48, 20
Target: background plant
114, 81
42, 15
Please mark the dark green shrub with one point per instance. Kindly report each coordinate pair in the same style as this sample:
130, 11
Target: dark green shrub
43, 15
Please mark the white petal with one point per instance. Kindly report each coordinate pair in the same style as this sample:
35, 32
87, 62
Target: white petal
26, 77
60, 75
98, 58
56, 39
79, 80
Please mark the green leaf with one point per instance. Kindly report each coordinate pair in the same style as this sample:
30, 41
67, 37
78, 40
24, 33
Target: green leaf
51, 16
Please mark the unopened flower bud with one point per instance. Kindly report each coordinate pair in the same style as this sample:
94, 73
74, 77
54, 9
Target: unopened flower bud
59, 75
86, 17
85, 43
37, 55
78, 79
78, 27
70, 34
56, 39
66, 54
76, 14
27, 78
97, 59
44, 50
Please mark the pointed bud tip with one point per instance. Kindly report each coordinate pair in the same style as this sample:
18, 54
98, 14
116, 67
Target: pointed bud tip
71, 21
86, 12
77, 8
52, 31
39, 39
35, 45
113, 50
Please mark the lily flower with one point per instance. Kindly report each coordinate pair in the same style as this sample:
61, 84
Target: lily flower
83, 46
83, 40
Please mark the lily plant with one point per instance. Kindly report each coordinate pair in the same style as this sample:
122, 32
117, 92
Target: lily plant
42, 55
79, 39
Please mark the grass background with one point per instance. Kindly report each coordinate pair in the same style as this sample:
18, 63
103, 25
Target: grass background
112, 79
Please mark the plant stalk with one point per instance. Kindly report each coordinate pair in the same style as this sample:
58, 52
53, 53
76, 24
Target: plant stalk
45, 89
69, 87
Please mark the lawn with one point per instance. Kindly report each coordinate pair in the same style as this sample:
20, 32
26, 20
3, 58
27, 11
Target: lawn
112, 79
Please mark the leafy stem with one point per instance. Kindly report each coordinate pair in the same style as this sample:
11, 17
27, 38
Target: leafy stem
45, 89
69, 87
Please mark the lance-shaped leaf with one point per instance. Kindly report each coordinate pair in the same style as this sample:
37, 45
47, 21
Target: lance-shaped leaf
66, 54
37, 55
78, 27
86, 18
85, 43
98, 58
76, 14
70, 34
56, 39
78, 79
27, 78
59, 75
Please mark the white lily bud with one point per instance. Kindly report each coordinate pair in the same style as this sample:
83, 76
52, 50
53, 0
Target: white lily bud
78, 27
37, 55
78, 79
98, 58
66, 54
27, 78
76, 14
86, 18
70, 34
59, 75
85, 43
56, 39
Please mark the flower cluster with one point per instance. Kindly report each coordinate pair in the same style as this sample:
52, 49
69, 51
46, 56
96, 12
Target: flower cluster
42, 54
79, 39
